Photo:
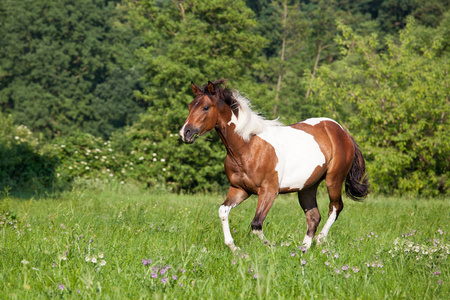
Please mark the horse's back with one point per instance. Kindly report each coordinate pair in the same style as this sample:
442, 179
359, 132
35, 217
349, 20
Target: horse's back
303, 151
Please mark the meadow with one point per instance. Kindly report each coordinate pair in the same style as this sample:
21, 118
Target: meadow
116, 241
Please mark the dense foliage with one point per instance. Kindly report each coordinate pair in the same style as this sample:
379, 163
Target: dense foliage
67, 65
100, 88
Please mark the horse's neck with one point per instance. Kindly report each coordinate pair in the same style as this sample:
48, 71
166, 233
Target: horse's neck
234, 143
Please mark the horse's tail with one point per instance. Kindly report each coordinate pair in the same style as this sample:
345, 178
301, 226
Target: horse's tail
356, 182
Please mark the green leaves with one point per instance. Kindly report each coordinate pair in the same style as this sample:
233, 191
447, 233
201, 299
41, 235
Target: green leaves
58, 57
400, 100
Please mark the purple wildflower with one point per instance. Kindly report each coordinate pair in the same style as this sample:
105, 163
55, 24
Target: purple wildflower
163, 271
174, 277
144, 262
164, 280
345, 267
337, 271
437, 273
233, 262
336, 255
183, 271
327, 263
355, 269
347, 275
292, 253
303, 262
440, 282
61, 287
154, 275
155, 269
255, 276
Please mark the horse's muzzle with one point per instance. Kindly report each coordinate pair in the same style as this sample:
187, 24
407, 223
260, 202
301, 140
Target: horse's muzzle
189, 134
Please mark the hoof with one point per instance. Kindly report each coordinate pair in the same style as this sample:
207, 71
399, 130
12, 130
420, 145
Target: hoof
304, 248
233, 248
320, 239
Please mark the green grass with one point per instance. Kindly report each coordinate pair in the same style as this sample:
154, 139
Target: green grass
370, 253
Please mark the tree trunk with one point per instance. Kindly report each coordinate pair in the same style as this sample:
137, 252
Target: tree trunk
316, 64
283, 50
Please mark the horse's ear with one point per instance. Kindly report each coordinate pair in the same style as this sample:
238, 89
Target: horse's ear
211, 88
195, 89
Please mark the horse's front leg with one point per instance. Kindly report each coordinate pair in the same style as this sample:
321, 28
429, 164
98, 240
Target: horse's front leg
234, 197
266, 197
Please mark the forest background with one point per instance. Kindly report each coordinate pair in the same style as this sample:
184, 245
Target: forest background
97, 90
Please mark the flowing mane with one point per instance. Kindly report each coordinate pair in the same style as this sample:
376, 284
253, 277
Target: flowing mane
248, 122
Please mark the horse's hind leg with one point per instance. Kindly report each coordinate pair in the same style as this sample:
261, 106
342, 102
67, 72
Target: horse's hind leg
265, 200
334, 185
234, 197
307, 199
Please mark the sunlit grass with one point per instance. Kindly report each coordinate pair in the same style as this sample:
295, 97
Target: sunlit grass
116, 241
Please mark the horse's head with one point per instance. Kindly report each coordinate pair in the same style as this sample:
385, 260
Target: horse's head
203, 111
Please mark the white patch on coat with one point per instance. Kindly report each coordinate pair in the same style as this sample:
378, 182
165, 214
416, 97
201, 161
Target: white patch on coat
315, 121
298, 155
249, 123
326, 228
233, 119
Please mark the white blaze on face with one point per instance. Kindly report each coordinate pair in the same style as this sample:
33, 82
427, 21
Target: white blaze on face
298, 155
182, 128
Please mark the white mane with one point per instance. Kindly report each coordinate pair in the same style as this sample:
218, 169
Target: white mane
249, 123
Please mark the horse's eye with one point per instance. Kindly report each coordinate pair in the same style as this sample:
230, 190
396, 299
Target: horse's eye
206, 108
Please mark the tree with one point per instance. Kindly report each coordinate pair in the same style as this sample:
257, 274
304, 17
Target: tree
397, 104
68, 65
193, 40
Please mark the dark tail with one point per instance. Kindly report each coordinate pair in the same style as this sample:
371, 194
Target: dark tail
356, 182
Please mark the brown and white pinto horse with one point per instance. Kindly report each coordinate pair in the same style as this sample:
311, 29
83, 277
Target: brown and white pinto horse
266, 158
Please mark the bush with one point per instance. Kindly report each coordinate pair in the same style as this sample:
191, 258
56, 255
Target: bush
25, 165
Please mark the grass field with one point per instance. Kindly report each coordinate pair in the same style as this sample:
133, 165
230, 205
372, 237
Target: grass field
119, 242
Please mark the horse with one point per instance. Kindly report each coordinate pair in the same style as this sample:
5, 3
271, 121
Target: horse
266, 158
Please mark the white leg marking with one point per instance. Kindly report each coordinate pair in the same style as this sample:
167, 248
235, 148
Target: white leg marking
223, 214
307, 241
323, 234
259, 233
